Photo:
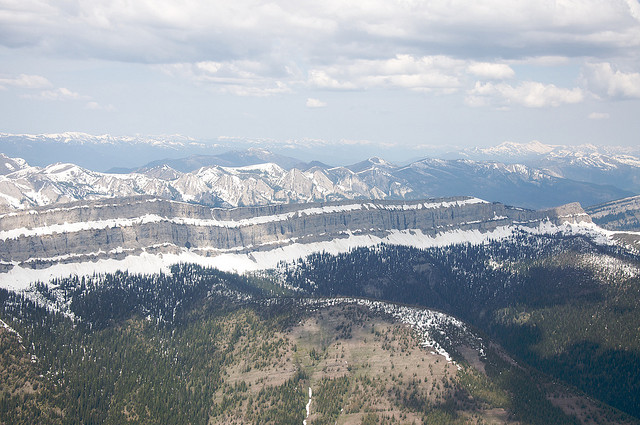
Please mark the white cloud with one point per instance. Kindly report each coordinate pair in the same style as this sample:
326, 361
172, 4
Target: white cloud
321, 78
25, 81
38, 82
402, 71
542, 61
634, 8
243, 78
61, 93
315, 103
491, 71
253, 48
529, 93
95, 106
167, 31
598, 116
604, 80
260, 79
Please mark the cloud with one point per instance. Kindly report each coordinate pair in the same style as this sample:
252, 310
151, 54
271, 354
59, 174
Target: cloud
598, 116
38, 82
402, 71
634, 8
315, 103
25, 81
542, 61
605, 81
171, 31
243, 78
61, 93
263, 78
530, 94
95, 106
259, 49
491, 71
322, 79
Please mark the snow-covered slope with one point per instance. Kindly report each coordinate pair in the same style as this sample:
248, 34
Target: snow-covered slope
536, 149
23, 186
613, 165
514, 150
10, 165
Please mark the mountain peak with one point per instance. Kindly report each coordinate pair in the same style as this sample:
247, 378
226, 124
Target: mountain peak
379, 161
259, 151
9, 165
513, 149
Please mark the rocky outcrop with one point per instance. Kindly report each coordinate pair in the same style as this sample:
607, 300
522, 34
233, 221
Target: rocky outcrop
623, 214
115, 228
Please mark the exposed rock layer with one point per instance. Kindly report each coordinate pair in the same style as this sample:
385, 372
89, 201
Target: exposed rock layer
623, 214
119, 227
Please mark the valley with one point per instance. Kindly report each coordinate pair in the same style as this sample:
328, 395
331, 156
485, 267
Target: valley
228, 352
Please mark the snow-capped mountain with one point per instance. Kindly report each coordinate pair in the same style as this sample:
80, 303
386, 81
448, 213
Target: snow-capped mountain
99, 152
234, 158
125, 154
535, 149
10, 165
512, 150
214, 185
612, 165
23, 186
79, 138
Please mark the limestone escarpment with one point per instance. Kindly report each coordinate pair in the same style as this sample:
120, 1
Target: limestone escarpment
623, 214
119, 227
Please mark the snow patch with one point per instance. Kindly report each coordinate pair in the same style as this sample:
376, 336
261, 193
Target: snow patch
10, 330
20, 278
308, 407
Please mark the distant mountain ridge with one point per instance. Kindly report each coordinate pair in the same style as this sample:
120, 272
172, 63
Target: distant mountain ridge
521, 151
248, 181
610, 165
234, 158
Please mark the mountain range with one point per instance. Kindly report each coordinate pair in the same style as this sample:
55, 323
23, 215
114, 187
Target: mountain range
248, 286
260, 177
617, 166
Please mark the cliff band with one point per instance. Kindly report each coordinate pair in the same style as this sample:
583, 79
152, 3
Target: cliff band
116, 228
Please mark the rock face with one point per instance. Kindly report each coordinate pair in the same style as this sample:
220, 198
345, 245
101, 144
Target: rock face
86, 231
623, 214
24, 187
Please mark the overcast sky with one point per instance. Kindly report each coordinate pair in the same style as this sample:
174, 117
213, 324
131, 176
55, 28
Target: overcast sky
379, 73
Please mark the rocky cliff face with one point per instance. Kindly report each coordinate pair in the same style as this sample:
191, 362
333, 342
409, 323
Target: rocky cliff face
623, 214
81, 232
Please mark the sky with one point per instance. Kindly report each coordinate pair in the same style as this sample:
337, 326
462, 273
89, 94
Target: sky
401, 75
